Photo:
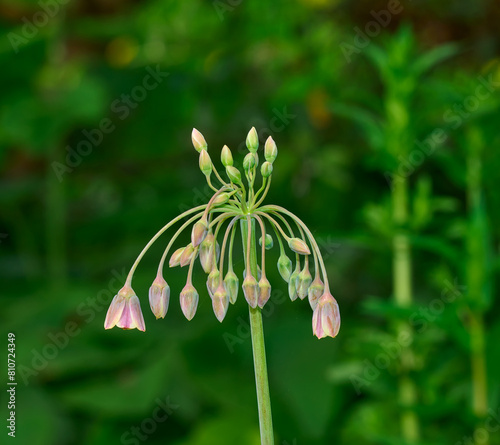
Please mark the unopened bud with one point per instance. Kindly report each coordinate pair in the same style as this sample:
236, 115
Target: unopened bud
293, 283
326, 316
266, 170
269, 241
189, 301
159, 296
232, 284
252, 140
251, 290
305, 280
205, 163
186, 255
226, 157
270, 150
220, 199
198, 140
299, 246
285, 267
234, 174
315, 291
213, 281
220, 302
175, 259
249, 162
199, 232
264, 291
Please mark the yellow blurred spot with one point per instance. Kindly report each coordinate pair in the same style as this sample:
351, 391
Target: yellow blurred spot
317, 107
121, 51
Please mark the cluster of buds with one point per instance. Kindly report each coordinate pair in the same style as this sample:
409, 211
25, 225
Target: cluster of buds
235, 204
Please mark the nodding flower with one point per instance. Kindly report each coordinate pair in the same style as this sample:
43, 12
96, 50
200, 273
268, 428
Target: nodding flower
326, 317
125, 311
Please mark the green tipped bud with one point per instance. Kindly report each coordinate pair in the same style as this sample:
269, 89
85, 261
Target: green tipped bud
305, 280
199, 232
213, 281
315, 291
226, 157
205, 163
189, 301
175, 259
269, 241
266, 170
251, 290
299, 246
293, 283
264, 291
270, 150
220, 302
187, 255
253, 140
199, 142
233, 174
285, 267
232, 283
249, 161
221, 199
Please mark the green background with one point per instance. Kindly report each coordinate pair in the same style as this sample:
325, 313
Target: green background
352, 106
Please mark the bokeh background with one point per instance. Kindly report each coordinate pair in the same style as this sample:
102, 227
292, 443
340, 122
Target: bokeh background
386, 116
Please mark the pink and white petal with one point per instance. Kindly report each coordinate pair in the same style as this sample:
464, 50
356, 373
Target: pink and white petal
115, 311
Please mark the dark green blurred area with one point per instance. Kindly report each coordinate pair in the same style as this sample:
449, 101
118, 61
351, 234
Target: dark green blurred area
345, 118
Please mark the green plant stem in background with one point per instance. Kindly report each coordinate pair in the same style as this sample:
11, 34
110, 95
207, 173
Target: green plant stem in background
476, 279
258, 346
402, 286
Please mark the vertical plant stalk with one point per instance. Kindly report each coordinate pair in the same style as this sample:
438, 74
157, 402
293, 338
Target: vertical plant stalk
258, 345
402, 285
476, 264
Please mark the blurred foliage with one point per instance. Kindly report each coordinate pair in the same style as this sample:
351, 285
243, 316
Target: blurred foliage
67, 235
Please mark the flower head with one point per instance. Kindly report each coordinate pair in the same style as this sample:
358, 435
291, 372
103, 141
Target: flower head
159, 295
326, 317
125, 311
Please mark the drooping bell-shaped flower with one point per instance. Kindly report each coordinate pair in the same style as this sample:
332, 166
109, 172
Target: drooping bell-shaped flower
304, 281
251, 290
159, 296
326, 317
220, 302
125, 311
175, 259
213, 281
189, 301
187, 255
264, 291
199, 232
232, 284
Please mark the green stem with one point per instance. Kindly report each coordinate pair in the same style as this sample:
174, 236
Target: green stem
258, 346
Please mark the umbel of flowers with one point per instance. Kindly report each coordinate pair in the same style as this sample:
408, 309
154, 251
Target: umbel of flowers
237, 202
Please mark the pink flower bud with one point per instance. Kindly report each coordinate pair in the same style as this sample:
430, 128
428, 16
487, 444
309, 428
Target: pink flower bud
285, 267
251, 290
226, 157
299, 246
159, 295
199, 232
270, 150
199, 142
207, 253
125, 311
264, 291
232, 283
205, 163
220, 302
252, 140
213, 281
315, 291
304, 281
175, 259
189, 301
326, 317
187, 255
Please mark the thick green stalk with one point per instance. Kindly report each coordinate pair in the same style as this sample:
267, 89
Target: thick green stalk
258, 346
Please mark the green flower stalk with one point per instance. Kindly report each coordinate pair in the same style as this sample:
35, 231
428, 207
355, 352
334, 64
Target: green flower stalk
237, 205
